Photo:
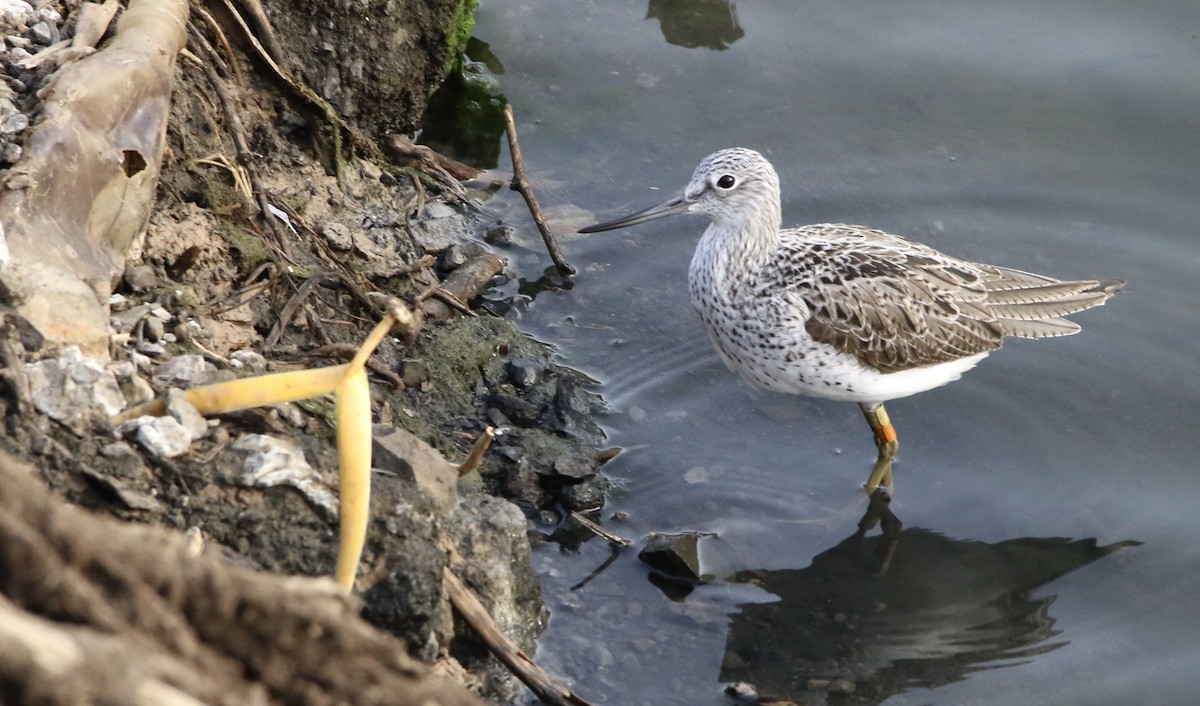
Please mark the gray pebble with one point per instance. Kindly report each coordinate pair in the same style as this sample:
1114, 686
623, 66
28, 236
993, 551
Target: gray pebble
452, 258
14, 124
43, 33
499, 235
525, 372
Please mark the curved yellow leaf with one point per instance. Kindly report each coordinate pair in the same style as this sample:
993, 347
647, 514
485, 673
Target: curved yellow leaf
354, 455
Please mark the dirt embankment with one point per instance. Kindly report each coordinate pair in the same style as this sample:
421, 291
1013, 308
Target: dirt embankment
278, 223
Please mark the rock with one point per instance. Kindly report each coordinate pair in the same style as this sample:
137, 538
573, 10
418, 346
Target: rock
673, 554
338, 236
185, 413
413, 372
135, 389
15, 124
441, 227
68, 388
140, 278
183, 371
525, 372
452, 258
411, 459
499, 235
249, 359
163, 437
15, 14
489, 534
517, 410
742, 693
584, 497
272, 461
42, 33
574, 468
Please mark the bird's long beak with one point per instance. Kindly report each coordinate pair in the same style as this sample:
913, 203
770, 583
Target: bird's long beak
678, 204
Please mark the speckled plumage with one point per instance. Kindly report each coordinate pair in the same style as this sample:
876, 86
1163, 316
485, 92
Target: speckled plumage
842, 311
847, 312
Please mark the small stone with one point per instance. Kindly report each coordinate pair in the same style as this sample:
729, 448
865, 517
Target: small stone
499, 235
410, 458
153, 329
452, 258
69, 387
163, 437
154, 350
574, 468
14, 124
519, 411
525, 372
16, 41
413, 372
10, 152
43, 33
673, 554
185, 413
338, 236
587, 496
140, 278
183, 371
272, 461
249, 359
742, 693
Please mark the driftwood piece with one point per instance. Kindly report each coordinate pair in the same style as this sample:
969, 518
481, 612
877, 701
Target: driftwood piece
521, 185
83, 189
463, 284
530, 674
96, 611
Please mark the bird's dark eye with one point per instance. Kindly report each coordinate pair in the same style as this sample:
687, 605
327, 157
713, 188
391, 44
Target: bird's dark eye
726, 182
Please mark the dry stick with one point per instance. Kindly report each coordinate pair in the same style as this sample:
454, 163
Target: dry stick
521, 185
608, 536
533, 676
289, 309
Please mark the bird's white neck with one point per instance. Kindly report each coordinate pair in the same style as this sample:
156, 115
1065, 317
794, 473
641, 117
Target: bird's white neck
741, 244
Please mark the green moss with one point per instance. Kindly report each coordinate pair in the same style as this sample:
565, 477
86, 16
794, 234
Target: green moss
458, 32
252, 251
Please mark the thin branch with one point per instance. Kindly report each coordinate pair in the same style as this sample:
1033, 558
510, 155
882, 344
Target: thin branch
521, 185
542, 684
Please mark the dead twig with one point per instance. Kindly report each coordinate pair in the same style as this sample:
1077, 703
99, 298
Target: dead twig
347, 351
521, 185
289, 310
606, 535
542, 684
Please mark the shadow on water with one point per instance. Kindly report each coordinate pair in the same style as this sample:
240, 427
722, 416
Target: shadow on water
875, 616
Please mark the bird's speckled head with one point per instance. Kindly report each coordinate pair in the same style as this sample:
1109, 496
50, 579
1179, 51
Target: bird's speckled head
734, 185
736, 188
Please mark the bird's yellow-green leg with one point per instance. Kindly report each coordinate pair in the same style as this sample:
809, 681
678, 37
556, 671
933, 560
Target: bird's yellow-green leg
885, 441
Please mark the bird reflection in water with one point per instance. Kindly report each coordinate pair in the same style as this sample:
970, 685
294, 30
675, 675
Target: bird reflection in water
876, 615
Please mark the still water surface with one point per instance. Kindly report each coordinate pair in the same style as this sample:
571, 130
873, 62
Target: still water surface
1061, 138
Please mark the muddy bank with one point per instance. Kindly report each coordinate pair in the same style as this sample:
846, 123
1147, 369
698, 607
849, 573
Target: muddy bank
278, 225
